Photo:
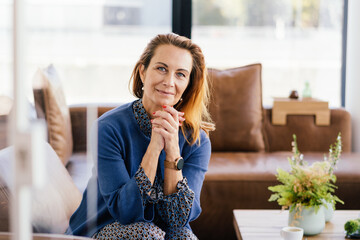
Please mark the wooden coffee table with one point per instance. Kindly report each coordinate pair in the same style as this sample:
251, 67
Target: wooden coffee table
266, 224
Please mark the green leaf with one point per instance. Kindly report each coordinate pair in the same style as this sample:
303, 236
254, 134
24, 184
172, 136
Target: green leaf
274, 197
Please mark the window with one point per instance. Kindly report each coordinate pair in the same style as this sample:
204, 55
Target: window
5, 48
93, 44
297, 41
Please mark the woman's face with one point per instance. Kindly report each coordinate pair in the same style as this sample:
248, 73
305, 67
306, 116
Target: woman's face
166, 77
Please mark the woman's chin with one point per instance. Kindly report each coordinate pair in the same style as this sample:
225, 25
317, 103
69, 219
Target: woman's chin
166, 102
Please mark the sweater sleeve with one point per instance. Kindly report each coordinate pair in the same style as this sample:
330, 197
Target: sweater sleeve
183, 206
121, 193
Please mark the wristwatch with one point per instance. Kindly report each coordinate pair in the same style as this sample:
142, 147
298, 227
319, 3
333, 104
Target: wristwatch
178, 164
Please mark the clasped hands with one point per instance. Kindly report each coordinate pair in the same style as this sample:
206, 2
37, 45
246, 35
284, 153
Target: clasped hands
165, 131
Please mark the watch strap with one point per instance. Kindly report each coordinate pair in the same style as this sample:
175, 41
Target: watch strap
172, 164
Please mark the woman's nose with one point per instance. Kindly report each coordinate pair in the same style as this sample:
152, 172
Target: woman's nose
169, 80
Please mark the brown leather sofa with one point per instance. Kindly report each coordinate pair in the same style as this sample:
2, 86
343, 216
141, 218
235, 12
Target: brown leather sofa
239, 179
247, 150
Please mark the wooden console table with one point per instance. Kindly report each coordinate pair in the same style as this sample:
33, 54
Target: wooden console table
306, 106
266, 224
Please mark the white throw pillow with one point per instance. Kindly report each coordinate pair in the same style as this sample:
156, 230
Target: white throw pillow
53, 204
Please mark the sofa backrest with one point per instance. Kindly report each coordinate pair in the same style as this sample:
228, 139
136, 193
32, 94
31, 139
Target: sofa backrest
310, 137
79, 124
243, 125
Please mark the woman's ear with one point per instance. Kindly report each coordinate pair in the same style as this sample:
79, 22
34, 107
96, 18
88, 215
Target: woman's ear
142, 72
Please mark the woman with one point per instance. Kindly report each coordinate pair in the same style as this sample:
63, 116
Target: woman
153, 153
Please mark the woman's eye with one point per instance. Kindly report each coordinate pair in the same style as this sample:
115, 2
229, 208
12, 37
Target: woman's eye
162, 69
181, 74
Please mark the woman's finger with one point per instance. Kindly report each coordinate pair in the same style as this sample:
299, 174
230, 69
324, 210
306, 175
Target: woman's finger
171, 110
160, 130
173, 113
164, 123
168, 117
178, 116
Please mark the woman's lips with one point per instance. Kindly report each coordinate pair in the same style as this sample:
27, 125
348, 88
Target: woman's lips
165, 92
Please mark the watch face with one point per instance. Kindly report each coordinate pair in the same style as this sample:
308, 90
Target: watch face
180, 164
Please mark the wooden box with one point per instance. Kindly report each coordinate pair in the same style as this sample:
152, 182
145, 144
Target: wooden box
306, 106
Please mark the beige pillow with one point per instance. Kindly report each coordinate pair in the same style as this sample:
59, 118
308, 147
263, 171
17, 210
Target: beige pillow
5, 105
53, 204
50, 104
236, 108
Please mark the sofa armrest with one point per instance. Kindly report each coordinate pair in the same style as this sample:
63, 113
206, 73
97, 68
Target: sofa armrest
78, 124
309, 136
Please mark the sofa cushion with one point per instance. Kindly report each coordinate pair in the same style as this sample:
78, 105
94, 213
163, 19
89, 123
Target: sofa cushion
50, 104
53, 204
236, 108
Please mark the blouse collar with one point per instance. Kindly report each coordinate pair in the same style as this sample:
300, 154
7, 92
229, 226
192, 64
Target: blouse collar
142, 117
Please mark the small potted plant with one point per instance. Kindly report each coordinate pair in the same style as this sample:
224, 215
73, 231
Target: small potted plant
352, 228
306, 190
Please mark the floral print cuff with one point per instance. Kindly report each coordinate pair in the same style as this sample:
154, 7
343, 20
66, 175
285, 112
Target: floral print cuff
175, 208
143, 183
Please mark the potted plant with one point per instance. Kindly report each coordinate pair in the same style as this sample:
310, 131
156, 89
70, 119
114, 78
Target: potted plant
352, 228
306, 190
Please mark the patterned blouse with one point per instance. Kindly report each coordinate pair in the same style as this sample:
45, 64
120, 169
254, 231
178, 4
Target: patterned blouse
174, 209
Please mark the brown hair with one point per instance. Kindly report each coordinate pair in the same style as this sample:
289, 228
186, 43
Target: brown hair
196, 95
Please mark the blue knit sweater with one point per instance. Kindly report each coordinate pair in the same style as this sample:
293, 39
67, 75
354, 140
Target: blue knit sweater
121, 147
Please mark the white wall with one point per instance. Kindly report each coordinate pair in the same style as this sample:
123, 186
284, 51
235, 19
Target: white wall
352, 101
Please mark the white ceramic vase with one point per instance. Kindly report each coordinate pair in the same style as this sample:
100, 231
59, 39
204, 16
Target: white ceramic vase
328, 211
308, 219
